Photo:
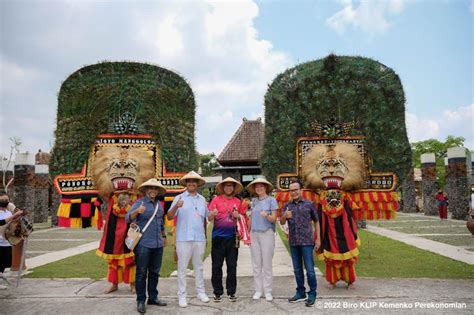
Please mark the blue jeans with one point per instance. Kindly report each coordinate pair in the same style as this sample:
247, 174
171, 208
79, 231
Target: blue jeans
148, 261
300, 254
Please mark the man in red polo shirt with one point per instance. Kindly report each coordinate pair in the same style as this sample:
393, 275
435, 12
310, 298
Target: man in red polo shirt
224, 210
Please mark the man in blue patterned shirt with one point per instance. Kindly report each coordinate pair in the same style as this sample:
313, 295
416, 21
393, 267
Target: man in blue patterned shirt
301, 215
149, 250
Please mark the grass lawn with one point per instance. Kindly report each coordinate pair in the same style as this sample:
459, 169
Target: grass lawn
89, 265
85, 265
382, 257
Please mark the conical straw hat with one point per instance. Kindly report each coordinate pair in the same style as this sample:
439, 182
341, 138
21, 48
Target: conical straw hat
237, 185
152, 182
251, 186
192, 175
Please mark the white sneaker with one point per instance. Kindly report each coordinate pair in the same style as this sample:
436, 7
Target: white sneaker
257, 295
203, 297
268, 297
3, 287
182, 302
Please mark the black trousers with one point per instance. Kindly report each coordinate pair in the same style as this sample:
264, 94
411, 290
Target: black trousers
224, 248
5, 257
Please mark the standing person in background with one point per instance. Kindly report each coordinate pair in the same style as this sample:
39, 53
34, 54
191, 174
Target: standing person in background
442, 199
149, 250
5, 247
262, 235
225, 210
300, 215
190, 208
6, 216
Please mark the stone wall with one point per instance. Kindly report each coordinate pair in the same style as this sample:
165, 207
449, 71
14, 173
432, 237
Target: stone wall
409, 194
42, 195
31, 187
55, 201
24, 192
429, 187
457, 183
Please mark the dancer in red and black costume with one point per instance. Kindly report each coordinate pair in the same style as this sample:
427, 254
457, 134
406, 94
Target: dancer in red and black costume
339, 239
337, 169
121, 261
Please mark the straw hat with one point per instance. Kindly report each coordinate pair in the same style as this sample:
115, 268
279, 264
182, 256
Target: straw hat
152, 182
237, 186
192, 175
251, 186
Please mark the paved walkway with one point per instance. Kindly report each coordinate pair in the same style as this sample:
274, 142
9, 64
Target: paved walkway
50, 257
282, 265
49, 245
79, 296
58, 241
373, 296
416, 230
453, 252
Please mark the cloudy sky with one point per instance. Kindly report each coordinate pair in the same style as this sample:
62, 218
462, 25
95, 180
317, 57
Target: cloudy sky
230, 51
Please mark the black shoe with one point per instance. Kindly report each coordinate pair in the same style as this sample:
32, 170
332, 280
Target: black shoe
217, 298
156, 302
310, 301
297, 297
232, 298
141, 307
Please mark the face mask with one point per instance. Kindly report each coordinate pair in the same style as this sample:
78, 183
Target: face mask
4, 203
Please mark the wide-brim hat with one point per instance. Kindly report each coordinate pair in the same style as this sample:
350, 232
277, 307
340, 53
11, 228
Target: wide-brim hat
192, 175
152, 182
237, 185
251, 186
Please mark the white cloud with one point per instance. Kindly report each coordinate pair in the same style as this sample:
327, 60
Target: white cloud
14, 77
223, 58
369, 16
419, 129
219, 120
213, 45
458, 122
169, 41
23, 112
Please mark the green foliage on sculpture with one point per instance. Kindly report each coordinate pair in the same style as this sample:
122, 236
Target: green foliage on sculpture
351, 88
124, 98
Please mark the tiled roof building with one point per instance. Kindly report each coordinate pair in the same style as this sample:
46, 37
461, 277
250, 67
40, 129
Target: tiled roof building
240, 158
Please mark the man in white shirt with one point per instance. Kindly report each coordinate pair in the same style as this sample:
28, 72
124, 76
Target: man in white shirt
190, 208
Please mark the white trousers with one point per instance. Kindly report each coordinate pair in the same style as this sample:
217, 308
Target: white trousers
262, 249
187, 251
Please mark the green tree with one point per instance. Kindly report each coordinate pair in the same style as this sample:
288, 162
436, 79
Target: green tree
207, 163
439, 149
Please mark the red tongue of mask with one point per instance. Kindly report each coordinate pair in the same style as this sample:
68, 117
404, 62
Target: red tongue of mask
122, 185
